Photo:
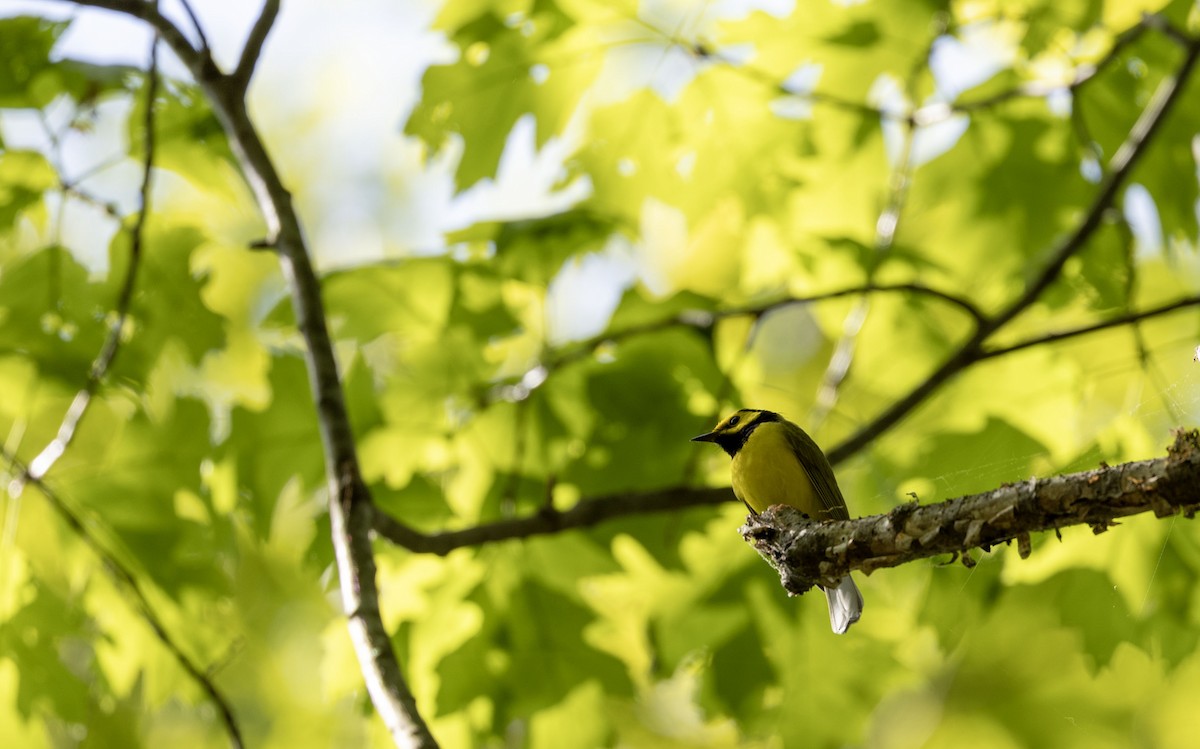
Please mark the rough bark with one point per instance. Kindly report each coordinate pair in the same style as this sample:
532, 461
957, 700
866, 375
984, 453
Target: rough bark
807, 553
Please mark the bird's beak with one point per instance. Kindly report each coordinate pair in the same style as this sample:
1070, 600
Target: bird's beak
710, 437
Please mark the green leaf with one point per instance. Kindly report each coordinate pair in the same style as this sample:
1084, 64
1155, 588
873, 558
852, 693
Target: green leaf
412, 300
53, 313
190, 141
24, 177
52, 310
276, 445
147, 463
1087, 602
493, 84
637, 310
578, 721
859, 33
168, 302
41, 639
31, 79
536, 249
28, 79
542, 634
621, 392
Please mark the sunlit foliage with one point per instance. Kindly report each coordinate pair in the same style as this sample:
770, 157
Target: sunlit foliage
639, 186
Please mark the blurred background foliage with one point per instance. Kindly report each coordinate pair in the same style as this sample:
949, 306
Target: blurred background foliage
600, 184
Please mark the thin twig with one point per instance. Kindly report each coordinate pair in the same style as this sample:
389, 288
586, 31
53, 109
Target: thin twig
49, 455
126, 579
584, 514
191, 14
1039, 90
838, 369
1113, 322
1164, 26
930, 114
503, 389
813, 97
74, 190
704, 53
254, 43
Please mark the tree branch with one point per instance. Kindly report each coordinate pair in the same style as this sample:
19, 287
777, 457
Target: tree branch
934, 113
1119, 168
503, 389
971, 351
807, 553
584, 514
148, 12
254, 43
126, 580
73, 190
350, 505
1036, 89
702, 318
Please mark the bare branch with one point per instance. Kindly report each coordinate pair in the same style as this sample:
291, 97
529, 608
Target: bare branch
584, 514
128, 582
350, 505
1062, 335
808, 553
1139, 137
254, 43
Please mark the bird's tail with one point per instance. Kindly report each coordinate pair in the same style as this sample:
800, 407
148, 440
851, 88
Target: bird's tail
845, 605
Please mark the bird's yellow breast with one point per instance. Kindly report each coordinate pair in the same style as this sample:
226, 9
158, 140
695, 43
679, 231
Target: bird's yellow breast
767, 471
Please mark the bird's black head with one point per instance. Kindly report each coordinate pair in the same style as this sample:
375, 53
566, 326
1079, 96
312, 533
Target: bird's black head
733, 432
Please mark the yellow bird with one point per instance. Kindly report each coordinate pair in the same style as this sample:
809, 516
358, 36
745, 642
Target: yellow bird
776, 463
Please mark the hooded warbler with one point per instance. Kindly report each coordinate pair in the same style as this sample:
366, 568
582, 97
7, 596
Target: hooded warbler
776, 462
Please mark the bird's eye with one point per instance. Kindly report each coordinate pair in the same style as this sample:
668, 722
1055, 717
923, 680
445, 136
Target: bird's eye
734, 421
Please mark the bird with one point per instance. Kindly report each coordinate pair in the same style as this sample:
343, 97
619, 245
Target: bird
776, 462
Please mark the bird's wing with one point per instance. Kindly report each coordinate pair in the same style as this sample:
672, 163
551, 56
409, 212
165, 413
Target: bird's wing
820, 473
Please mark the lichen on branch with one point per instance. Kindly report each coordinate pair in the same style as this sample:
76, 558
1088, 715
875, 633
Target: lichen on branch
807, 553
